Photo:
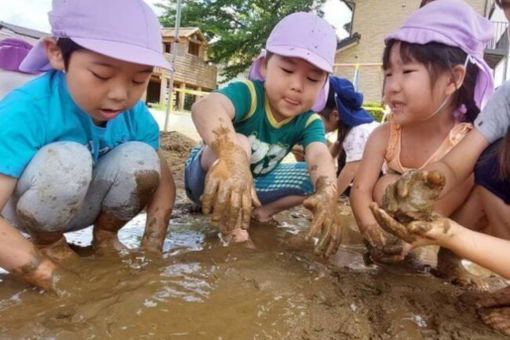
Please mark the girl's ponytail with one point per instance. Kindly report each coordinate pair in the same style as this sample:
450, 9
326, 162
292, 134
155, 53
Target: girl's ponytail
466, 94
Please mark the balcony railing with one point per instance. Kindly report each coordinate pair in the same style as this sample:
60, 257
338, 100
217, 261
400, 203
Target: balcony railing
499, 32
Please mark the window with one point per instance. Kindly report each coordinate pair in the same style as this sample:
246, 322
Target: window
194, 48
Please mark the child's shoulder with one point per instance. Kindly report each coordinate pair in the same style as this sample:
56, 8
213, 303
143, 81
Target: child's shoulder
30, 93
381, 132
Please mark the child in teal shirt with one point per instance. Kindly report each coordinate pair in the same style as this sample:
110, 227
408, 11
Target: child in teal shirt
78, 147
250, 126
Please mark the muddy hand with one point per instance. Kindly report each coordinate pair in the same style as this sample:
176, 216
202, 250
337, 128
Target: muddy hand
413, 195
229, 192
416, 233
383, 246
43, 273
326, 217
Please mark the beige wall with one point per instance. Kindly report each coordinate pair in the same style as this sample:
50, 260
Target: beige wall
373, 20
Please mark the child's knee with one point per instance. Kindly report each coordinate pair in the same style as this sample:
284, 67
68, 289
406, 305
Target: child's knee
52, 187
134, 181
381, 185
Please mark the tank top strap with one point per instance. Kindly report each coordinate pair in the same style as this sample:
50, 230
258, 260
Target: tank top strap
393, 147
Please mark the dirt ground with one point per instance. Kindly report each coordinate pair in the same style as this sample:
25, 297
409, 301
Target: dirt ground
202, 289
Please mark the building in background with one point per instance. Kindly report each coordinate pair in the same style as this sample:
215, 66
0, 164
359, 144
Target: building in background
359, 56
192, 70
12, 31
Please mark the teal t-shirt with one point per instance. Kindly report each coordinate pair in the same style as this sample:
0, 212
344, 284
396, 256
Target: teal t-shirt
270, 140
42, 112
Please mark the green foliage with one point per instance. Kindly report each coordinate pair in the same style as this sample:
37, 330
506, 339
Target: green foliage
236, 29
375, 109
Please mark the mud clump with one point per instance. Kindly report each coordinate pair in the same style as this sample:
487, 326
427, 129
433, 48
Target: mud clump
413, 197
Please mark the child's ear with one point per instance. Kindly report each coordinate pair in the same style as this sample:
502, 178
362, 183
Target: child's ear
456, 79
263, 67
335, 116
54, 53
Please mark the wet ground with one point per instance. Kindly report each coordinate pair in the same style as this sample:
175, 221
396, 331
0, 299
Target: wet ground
202, 289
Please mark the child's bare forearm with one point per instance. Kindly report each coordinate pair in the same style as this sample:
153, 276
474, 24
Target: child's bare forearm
488, 251
360, 203
159, 210
346, 176
320, 164
213, 115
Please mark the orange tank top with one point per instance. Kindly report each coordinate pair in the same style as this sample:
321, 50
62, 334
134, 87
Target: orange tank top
392, 156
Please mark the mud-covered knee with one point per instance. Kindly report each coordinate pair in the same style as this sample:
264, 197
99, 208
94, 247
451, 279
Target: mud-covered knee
137, 179
53, 186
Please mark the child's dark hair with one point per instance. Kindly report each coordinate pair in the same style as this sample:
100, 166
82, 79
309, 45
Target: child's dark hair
504, 157
67, 47
439, 58
330, 106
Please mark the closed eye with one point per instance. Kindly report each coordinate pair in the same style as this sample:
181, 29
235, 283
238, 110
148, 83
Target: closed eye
98, 76
286, 70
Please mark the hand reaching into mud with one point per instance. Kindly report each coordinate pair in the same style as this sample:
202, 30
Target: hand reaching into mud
229, 192
326, 217
413, 195
43, 273
383, 246
417, 233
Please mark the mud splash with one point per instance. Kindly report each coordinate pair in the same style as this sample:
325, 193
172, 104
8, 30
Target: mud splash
201, 289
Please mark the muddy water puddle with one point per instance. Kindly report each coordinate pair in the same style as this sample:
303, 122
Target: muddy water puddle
202, 289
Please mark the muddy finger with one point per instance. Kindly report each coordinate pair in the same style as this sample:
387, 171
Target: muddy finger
388, 223
403, 184
435, 179
220, 206
254, 198
419, 227
211, 186
310, 203
246, 211
335, 240
234, 210
324, 239
315, 225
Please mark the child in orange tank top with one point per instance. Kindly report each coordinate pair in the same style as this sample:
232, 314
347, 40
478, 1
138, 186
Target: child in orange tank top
435, 84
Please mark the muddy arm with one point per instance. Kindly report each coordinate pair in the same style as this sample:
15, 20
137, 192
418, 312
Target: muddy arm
229, 192
485, 250
320, 163
159, 210
211, 114
18, 255
364, 183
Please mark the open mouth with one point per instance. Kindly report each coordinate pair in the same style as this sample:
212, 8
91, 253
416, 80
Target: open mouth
291, 101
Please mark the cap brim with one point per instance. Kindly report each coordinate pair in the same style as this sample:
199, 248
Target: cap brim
126, 52
297, 52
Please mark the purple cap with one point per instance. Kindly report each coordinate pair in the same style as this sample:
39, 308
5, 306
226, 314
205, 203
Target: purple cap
12, 52
306, 36
453, 23
127, 30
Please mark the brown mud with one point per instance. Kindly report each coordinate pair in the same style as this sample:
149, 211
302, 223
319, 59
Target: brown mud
202, 289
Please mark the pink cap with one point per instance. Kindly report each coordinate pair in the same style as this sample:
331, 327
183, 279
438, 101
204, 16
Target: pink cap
127, 30
306, 36
453, 23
